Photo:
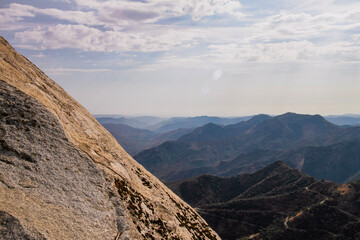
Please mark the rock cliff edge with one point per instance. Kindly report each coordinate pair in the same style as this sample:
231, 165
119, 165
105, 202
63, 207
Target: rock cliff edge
63, 176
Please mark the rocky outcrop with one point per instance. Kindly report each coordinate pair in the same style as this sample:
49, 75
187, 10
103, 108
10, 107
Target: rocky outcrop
63, 176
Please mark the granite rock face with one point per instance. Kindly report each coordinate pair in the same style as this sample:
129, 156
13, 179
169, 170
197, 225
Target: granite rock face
63, 176
10, 228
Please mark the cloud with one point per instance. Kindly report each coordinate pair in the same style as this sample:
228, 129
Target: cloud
293, 51
113, 25
17, 12
303, 34
233, 56
92, 39
128, 63
40, 55
153, 10
134, 15
203, 8
117, 14
70, 70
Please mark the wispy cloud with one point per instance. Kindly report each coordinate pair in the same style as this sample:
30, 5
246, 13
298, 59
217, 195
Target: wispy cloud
133, 26
92, 39
118, 14
39, 55
70, 70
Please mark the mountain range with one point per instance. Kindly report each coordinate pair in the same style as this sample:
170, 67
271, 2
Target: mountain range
141, 122
137, 134
344, 120
194, 122
276, 202
162, 125
250, 145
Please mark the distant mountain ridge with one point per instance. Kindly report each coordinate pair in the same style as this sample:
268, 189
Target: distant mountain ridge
134, 135
135, 140
162, 125
202, 150
212, 132
194, 122
347, 120
339, 162
142, 122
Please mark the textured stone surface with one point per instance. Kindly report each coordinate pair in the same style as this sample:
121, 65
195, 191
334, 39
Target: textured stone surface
10, 228
63, 176
39, 164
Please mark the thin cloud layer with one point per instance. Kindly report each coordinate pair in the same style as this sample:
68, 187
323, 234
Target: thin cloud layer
92, 39
163, 25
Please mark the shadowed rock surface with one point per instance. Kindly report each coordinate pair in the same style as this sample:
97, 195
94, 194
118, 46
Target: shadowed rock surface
10, 228
63, 176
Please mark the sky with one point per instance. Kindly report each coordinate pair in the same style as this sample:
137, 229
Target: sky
194, 57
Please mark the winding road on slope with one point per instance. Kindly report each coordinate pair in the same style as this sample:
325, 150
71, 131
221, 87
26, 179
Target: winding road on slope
287, 219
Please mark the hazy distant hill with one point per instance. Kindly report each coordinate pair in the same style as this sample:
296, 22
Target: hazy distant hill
272, 203
131, 139
193, 122
170, 158
141, 122
344, 120
135, 140
246, 162
212, 132
193, 154
338, 162
121, 120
